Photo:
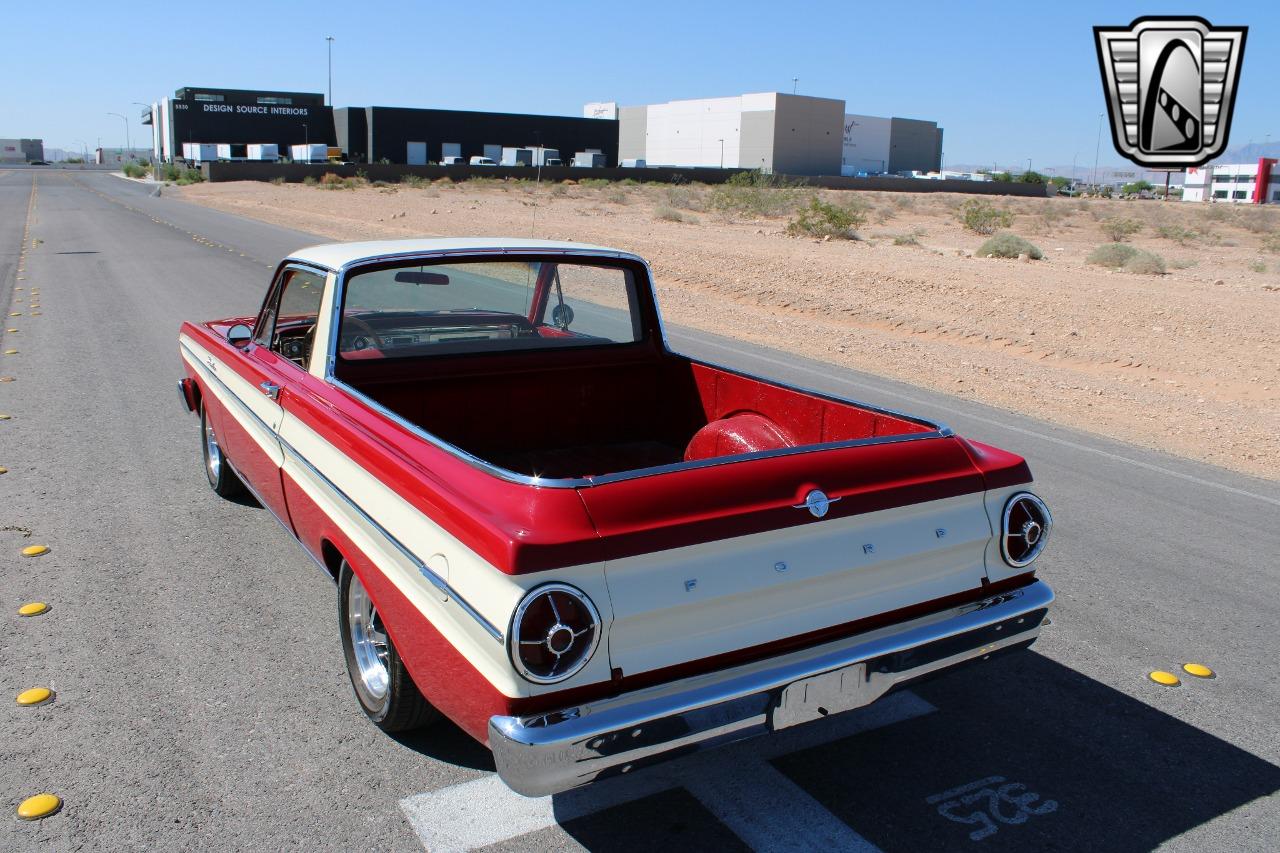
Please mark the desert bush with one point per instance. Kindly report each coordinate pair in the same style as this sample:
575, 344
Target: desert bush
822, 219
1177, 233
310, 181
667, 214
1257, 221
982, 217
684, 197
617, 196
277, 181
754, 194
593, 183
330, 180
1009, 245
1118, 228
1183, 263
1257, 266
413, 181
1145, 263
136, 170
558, 190
1271, 243
912, 239
1217, 212
1111, 255
1126, 257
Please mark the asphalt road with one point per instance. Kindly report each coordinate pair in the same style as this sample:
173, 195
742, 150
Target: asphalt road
201, 700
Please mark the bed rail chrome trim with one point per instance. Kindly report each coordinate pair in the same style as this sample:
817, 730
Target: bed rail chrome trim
551, 752
438, 582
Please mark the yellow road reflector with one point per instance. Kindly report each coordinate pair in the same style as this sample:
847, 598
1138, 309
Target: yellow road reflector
39, 806
8, 378
35, 696
1199, 670
35, 313
1168, 679
32, 608
11, 352
3, 470
35, 550
15, 313
5, 417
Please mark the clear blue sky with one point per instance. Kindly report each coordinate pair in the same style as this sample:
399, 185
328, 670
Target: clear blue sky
1007, 81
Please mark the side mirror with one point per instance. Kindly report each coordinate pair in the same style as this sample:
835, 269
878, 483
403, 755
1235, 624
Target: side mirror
239, 335
561, 316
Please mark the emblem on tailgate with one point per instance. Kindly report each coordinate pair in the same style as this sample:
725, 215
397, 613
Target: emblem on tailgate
817, 503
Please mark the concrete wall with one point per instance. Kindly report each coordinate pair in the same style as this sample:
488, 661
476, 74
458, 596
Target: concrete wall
865, 146
914, 145
297, 172
755, 151
633, 130
807, 137
688, 133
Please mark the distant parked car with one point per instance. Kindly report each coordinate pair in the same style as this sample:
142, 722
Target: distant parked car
482, 161
453, 161
41, 163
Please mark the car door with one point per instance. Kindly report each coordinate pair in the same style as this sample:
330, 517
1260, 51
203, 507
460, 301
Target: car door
278, 355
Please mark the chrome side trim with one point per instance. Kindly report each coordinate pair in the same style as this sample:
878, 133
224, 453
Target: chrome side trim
438, 582
556, 751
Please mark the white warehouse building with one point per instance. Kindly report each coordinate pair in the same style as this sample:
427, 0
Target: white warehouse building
1240, 183
772, 131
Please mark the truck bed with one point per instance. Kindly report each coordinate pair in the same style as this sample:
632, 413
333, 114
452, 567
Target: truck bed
585, 415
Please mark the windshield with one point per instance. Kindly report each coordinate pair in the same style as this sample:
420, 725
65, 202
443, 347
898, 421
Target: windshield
480, 306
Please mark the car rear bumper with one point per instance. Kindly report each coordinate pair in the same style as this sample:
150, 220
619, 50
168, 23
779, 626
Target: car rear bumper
547, 753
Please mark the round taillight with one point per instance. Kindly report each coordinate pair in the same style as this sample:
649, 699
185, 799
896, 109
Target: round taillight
554, 632
1025, 529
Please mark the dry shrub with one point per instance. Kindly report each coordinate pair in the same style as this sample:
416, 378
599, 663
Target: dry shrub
1118, 228
1008, 245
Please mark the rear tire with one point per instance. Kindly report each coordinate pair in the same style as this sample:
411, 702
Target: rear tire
383, 686
221, 478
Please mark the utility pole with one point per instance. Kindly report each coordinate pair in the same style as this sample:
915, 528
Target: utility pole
329, 39
1097, 148
1028, 165
128, 146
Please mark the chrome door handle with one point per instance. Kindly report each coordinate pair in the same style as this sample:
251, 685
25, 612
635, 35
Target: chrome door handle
270, 389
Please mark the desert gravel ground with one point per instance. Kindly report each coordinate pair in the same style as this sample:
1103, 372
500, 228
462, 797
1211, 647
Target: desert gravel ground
1185, 362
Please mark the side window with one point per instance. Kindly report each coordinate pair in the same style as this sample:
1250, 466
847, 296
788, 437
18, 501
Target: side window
593, 301
288, 323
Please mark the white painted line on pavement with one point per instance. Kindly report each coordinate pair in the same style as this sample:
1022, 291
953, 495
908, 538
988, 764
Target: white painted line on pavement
1033, 433
735, 783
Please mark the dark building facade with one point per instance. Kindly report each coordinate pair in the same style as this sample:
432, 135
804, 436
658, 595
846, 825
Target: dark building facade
238, 117
914, 145
407, 135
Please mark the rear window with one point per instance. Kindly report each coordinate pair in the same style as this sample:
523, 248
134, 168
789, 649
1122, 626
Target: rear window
481, 306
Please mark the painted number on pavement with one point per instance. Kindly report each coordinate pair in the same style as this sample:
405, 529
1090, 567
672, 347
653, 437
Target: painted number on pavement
990, 802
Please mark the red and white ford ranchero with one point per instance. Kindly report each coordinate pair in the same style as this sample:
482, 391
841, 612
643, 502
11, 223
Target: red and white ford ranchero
586, 550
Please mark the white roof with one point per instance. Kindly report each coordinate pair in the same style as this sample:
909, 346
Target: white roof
336, 255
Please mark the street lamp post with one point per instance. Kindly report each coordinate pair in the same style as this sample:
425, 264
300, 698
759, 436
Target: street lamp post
128, 146
721, 153
1097, 148
329, 39
795, 82
148, 106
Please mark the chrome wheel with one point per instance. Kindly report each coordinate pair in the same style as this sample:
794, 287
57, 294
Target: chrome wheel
212, 453
368, 643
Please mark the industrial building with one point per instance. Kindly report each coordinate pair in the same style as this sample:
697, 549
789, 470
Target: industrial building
420, 136
21, 150
874, 145
776, 132
1241, 183
791, 134
237, 117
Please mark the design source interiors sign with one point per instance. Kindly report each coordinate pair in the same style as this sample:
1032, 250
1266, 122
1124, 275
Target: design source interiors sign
1170, 85
253, 109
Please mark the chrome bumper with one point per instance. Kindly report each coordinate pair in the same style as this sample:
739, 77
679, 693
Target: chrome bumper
548, 753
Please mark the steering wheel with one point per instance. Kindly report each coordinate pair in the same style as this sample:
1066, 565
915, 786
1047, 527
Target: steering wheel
367, 332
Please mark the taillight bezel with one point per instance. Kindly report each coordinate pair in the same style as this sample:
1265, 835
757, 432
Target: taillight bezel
1045, 526
583, 654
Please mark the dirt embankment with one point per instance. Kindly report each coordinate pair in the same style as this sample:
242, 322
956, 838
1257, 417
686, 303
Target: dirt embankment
1187, 362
